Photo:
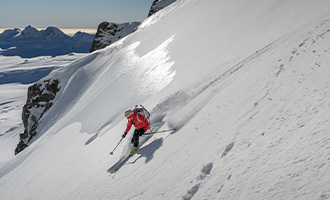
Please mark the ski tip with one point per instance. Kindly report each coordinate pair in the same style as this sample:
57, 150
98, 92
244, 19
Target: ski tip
112, 171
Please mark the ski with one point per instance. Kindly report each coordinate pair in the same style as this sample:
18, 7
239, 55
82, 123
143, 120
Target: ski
151, 133
123, 160
118, 165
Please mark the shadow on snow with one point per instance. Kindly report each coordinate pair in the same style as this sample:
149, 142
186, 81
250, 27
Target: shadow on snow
24, 76
149, 150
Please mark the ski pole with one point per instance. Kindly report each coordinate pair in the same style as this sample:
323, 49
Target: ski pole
116, 146
159, 131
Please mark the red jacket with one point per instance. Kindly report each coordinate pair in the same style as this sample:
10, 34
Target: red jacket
138, 120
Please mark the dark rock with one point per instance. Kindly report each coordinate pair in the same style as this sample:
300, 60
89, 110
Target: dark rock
46, 97
157, 5
33, 91
108, 33
39, 100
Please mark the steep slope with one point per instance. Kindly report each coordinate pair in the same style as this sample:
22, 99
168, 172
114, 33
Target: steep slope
245, 83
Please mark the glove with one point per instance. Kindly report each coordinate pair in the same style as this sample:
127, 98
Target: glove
124, 135
141, 132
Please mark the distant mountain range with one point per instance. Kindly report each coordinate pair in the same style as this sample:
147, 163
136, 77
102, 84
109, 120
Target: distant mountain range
52, 41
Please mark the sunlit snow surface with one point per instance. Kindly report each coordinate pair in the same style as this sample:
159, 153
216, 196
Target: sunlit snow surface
245, 84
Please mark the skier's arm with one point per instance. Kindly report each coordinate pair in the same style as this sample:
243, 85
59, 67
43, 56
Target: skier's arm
129, 125
146, 124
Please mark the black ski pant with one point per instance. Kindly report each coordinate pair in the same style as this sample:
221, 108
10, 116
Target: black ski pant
136, 135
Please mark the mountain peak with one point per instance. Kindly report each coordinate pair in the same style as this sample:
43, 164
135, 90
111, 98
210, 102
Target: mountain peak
52, 32
30, 32
10, 33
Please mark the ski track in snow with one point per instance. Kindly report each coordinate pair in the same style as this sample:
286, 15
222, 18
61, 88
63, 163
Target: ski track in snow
206, 170
303, 114
187, 98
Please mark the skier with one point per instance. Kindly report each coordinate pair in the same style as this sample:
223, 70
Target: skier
141, 125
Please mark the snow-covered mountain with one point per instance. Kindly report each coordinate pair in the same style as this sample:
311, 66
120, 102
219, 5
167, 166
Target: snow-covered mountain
244, 83
52, 41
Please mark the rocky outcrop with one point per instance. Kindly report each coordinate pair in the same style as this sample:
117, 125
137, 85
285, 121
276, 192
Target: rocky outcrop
108, 33
39, 100
157, 5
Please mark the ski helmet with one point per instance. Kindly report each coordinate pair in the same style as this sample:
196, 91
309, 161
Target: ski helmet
128, 113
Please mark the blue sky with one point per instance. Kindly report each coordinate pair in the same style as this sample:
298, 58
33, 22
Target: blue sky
70, 13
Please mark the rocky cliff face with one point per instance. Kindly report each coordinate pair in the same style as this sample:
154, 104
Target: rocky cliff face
158, 5
108, 33
39, 100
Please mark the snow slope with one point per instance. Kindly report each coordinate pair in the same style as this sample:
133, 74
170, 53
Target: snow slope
245, 83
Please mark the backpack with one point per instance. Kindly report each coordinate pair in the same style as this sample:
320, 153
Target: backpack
142, 111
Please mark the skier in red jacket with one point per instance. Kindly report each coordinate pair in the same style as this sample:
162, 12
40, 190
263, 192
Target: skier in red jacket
141, 125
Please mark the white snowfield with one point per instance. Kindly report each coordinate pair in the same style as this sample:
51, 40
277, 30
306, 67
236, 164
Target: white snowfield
245, 83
